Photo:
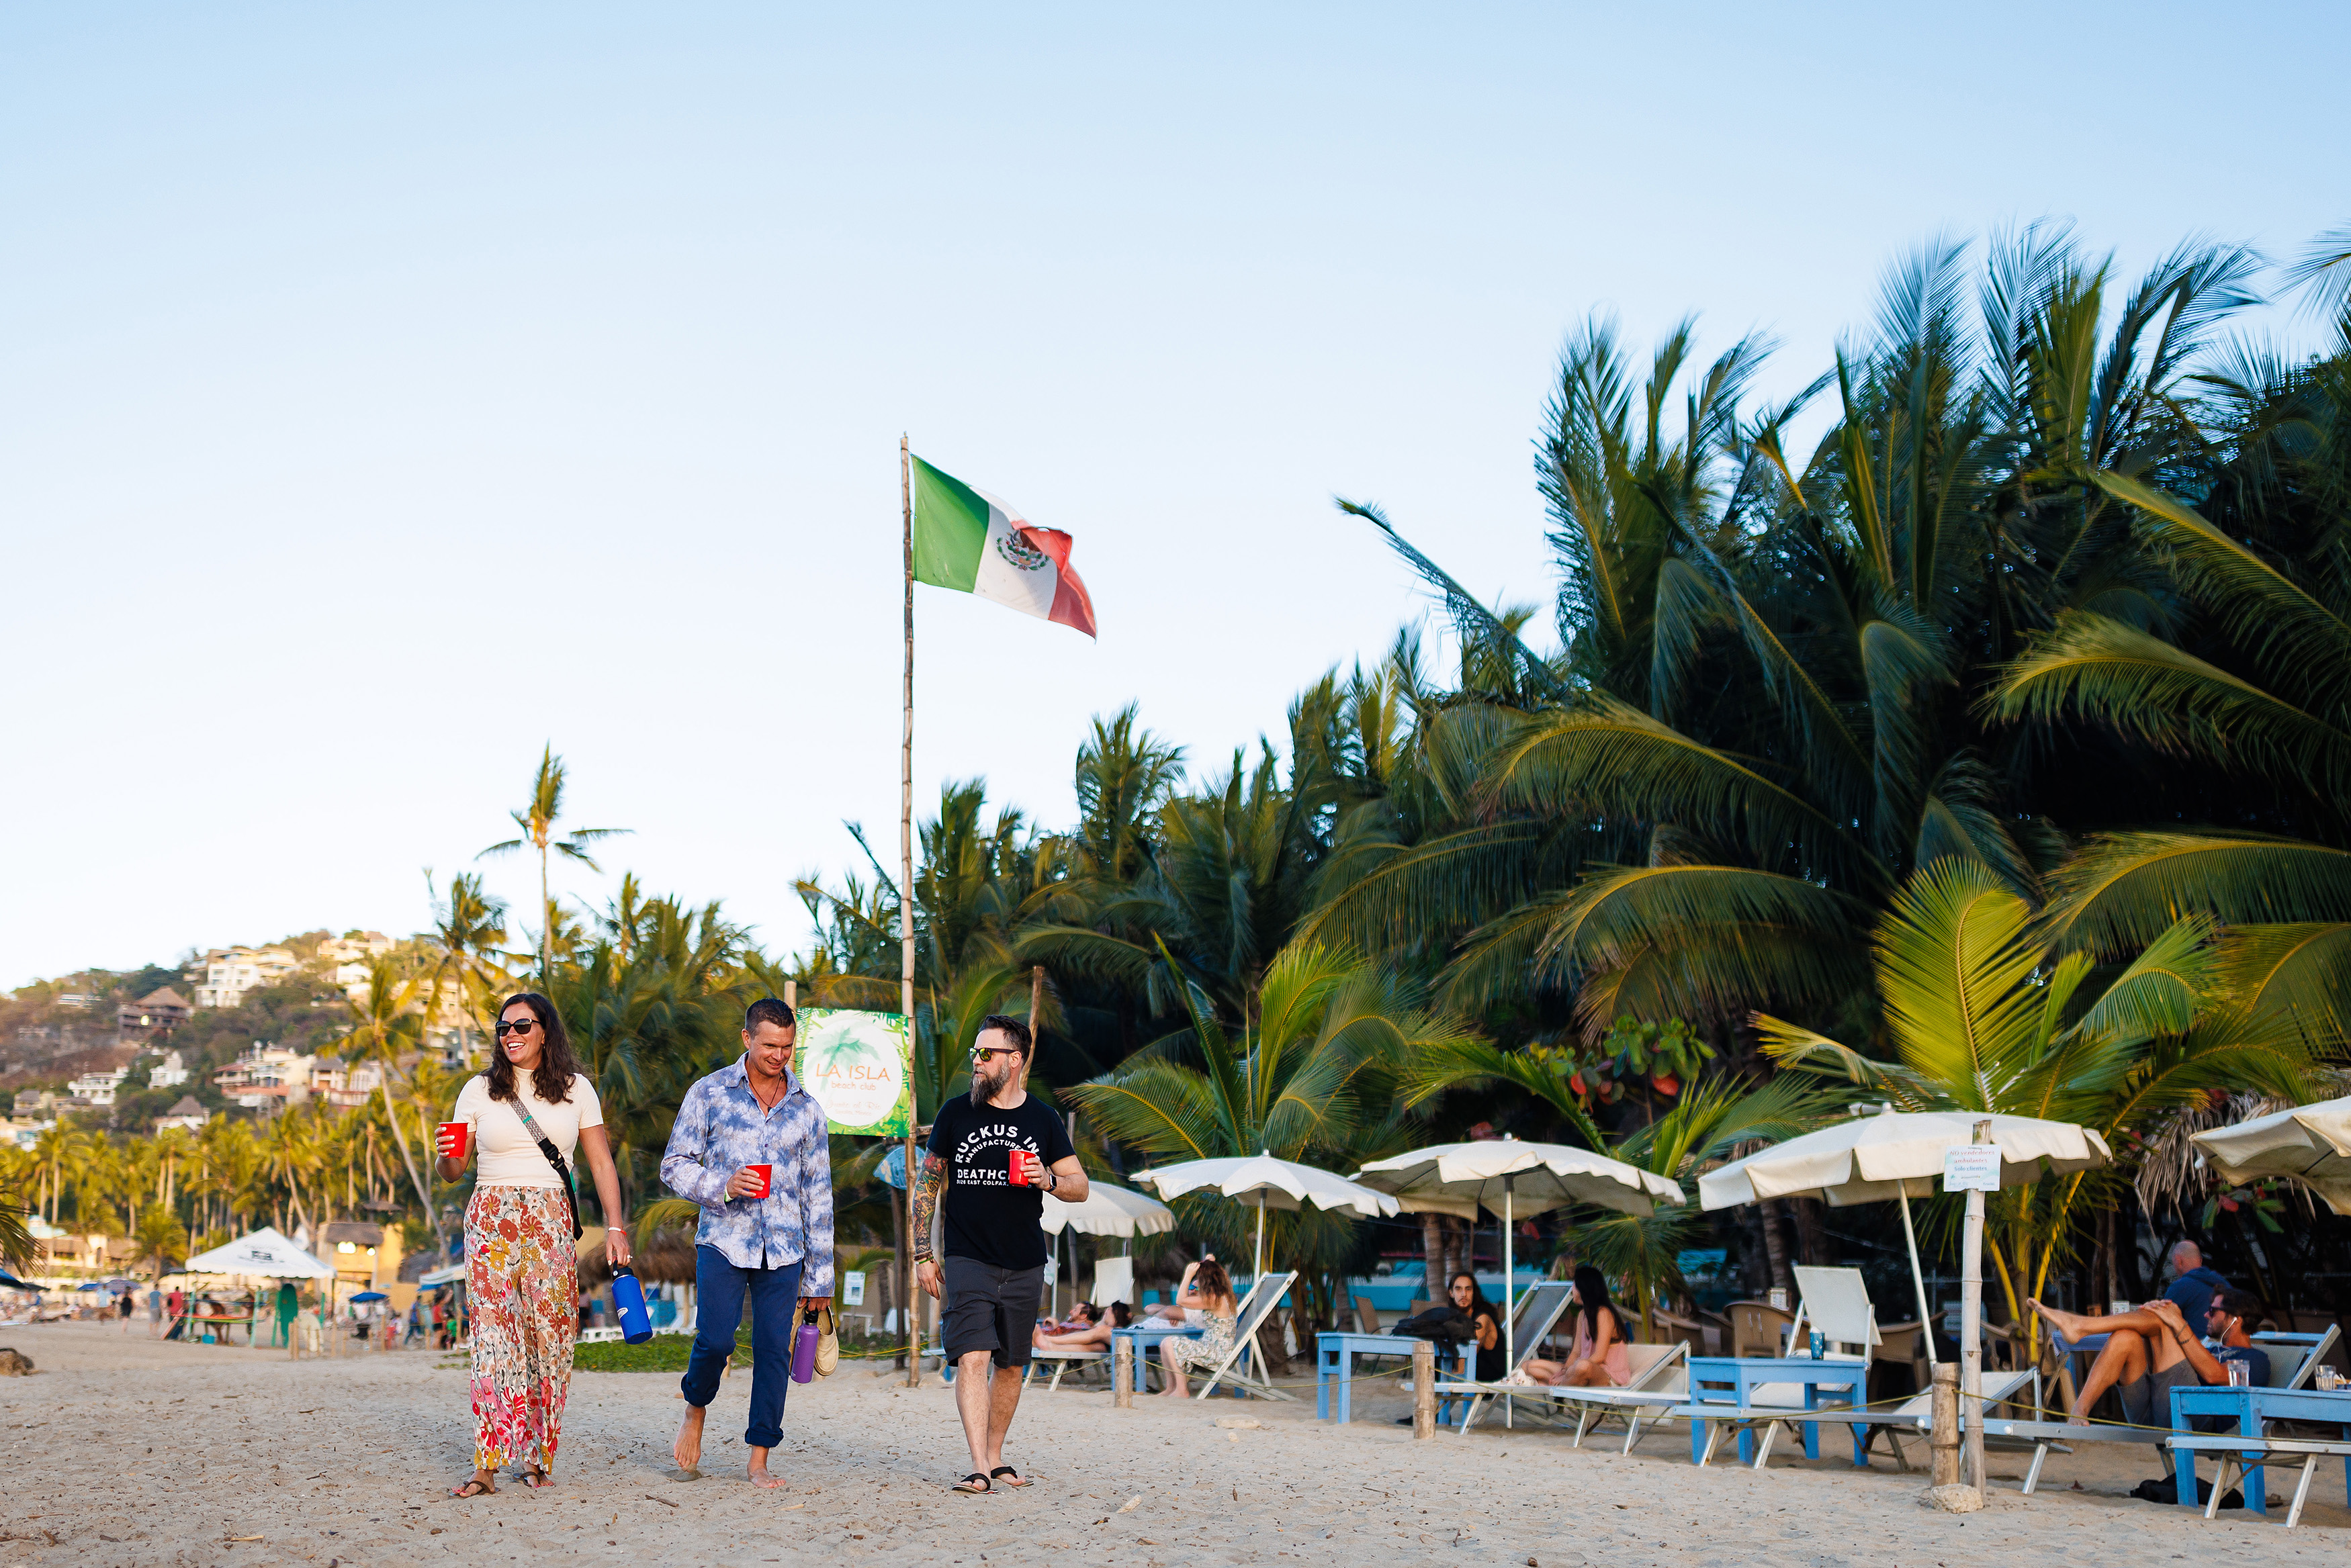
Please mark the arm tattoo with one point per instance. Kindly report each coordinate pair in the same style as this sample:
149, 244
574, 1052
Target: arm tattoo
927, 1185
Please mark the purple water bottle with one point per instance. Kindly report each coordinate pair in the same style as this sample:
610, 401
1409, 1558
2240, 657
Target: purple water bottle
804, 1349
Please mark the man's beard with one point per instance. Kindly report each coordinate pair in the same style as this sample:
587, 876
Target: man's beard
990, 1082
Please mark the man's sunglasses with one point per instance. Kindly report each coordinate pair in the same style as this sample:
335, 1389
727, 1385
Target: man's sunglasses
980, 1054
520, 1026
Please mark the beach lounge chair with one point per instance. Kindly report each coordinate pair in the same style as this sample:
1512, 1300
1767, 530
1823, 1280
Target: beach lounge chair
1114, 1282
1061, 1361
1659, 1381
1264, 1293
2238, 1454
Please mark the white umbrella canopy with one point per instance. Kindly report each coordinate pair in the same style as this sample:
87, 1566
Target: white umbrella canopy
1109, 1212
1264, 1182
266, 1252
2310, 1144
1896, 1153
1459, 1178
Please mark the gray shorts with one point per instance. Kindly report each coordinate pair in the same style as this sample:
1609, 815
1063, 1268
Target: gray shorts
989, 1309
2147, 1402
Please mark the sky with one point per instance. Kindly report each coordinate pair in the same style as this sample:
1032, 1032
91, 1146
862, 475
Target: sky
389, 392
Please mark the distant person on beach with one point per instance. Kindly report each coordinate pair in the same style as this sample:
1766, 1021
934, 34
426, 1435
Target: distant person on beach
750, 1146
528, 1117
1469, 1299
155, 1312
288, 1303
996, 1152
2150, 1352
1207, 1290
1599, 1359
1094, 1336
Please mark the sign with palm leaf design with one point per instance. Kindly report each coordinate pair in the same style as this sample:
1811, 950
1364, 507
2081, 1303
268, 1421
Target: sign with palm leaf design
858, 1066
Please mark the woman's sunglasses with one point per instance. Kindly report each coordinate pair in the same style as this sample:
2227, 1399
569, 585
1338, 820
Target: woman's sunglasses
520, 1026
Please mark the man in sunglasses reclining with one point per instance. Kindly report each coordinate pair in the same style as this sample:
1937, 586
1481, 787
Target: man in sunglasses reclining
997, 1153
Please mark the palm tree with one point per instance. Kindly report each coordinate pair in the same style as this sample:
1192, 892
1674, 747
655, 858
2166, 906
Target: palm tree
383, 1029
1984, 1015
469, 928
1312, 1078
160, 1238
536, 819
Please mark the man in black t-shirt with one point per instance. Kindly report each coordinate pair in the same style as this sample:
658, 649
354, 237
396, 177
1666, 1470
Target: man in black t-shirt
997, 1153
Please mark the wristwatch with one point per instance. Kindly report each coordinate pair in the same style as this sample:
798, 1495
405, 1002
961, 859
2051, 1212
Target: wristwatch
1052, 1180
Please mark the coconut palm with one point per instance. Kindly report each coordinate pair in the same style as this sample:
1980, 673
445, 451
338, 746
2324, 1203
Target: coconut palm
384, 1029
158, 1238
537, 819
1983, 1013
468, 929
1312, 1077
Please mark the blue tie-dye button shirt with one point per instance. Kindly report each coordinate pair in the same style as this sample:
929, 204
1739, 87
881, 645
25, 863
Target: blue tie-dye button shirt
720, 1129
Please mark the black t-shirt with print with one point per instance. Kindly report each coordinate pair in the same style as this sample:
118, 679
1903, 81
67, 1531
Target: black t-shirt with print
988, 1218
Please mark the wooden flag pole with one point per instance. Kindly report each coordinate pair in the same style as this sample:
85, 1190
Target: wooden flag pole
906, 909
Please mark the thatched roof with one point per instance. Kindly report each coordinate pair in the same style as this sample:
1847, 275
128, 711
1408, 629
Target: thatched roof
666, 1257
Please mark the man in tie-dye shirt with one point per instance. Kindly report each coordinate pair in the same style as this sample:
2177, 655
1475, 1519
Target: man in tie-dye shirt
749, 1146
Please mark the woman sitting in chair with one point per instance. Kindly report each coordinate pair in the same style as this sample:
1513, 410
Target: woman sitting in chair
1599, 1359
1208, 1290
1094, 1336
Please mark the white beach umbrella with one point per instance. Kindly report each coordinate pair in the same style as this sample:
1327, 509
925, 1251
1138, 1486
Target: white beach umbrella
1897, 1155
1264, 1182
1512, 1181
264, 1252
2310, 1144
1109, 1212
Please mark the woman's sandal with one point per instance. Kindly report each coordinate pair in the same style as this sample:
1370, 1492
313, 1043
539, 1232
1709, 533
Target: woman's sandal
536, 1478
1011, 1475
474, 1487
973, 1485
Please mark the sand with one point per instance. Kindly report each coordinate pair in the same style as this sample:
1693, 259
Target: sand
124, 1450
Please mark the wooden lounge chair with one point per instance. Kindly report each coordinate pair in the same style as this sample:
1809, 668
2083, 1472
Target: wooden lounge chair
1264, 1293
1531, 1318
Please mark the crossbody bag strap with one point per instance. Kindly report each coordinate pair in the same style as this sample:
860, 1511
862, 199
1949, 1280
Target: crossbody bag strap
546, 1147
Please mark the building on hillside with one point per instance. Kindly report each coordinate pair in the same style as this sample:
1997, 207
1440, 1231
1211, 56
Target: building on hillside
24, 1131
168, 1074
36, 1102
347, 960
152, 1015
97, 1088
359, 1252
79, 1001
266, 1078
224, 975
188, 1112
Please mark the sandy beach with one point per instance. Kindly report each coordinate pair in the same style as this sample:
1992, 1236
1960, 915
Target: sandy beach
124, 1450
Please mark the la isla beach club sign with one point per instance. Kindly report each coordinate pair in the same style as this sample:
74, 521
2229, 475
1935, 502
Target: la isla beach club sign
858, 1065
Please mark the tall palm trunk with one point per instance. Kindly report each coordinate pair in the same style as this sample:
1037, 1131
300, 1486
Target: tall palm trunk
1432, 1255
1775, 1247
383, 1086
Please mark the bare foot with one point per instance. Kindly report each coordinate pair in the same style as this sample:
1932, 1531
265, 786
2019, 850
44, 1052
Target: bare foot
688, 1450
757, 1472
2065, 1323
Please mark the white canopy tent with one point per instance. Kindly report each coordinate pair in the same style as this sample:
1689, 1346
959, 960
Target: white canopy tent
266, 1252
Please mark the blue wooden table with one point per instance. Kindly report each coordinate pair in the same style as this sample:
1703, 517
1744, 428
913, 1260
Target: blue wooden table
1731, 1382
2250, 1407
1334, 1363
1145, 1341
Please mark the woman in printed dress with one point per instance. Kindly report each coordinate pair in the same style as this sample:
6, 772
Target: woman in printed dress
521, 1278
1208, 1290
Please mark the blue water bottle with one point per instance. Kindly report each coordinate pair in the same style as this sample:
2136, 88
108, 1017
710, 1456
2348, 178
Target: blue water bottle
629, 1298
1820, 1346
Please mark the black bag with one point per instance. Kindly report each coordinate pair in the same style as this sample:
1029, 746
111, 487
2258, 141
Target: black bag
1442, 1324
2161, 1489
546, 1147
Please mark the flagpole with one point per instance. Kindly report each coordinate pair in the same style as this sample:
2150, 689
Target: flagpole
906, 899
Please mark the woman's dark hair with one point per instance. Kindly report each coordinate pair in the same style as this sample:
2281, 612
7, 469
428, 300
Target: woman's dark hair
1591, 1297
1212, 1280
1478, 1302
551, 1079
1121, 1315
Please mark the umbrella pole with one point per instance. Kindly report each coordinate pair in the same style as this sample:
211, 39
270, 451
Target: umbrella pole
1971, 1326
1510, 1350
1918, 1282
1256, 1275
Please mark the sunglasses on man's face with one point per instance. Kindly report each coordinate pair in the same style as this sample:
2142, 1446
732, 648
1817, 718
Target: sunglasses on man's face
516, 1026
980, 1054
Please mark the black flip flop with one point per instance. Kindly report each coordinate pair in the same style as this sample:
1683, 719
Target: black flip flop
1009, 1470
966, 1487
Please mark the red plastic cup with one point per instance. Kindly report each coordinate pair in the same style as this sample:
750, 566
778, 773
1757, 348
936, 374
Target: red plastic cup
765, 1175
1020, 1168
454, 1139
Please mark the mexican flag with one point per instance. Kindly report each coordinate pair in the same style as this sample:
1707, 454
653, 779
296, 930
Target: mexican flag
967, 540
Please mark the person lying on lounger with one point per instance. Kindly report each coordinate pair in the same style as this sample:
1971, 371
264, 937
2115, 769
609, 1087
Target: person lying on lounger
2152, 1351
1082, 1317
1094, 1336
1599, 1359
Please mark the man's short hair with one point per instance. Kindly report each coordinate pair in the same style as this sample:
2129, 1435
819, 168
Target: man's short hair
767, 1010
2188, 1251
1014, 1029
2243, 1304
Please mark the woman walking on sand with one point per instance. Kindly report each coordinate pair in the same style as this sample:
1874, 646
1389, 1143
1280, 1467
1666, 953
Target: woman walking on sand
524, 1120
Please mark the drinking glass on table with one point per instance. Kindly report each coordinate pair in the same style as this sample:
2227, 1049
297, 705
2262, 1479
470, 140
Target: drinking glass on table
2240, 1375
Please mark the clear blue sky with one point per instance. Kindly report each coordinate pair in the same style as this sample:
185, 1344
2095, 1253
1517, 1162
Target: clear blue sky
388, 391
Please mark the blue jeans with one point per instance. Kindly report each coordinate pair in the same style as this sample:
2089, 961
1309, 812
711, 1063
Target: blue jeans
718, 1287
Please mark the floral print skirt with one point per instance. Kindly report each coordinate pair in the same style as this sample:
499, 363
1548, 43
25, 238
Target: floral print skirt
523, 1294
1216, 1340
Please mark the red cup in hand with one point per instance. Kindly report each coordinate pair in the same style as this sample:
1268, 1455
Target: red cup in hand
1027, 1170
762, 1175
454, 1138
